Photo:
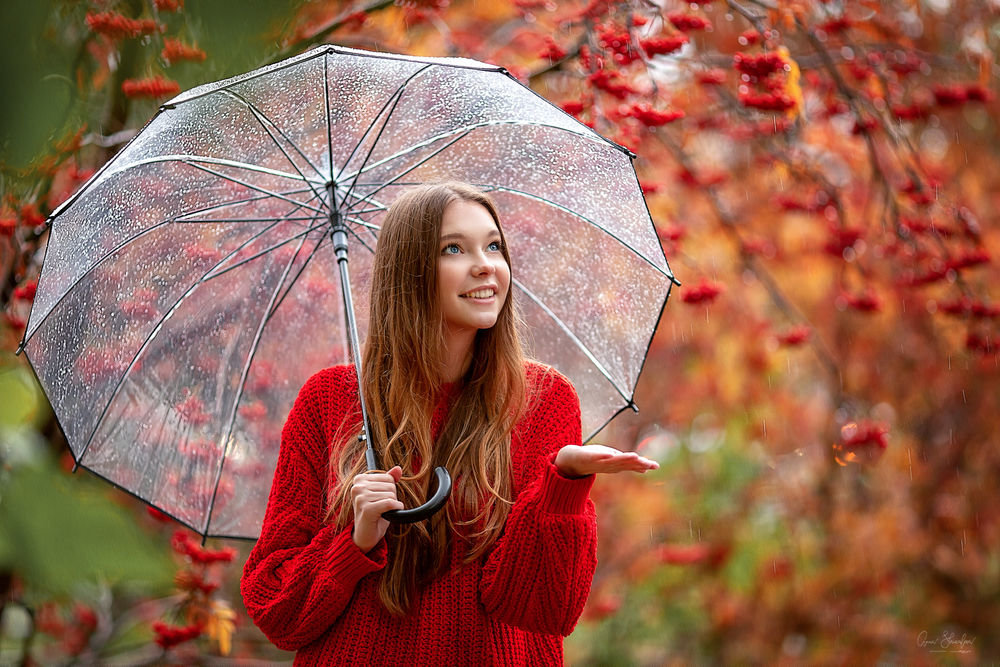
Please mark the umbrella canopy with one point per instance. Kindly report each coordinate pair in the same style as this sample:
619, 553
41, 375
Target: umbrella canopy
190, 287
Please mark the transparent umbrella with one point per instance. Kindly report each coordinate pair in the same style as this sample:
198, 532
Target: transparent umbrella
191, 286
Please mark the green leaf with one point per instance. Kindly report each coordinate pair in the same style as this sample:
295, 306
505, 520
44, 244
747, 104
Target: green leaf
58, 532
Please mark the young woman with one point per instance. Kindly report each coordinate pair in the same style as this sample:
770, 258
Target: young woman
501, 574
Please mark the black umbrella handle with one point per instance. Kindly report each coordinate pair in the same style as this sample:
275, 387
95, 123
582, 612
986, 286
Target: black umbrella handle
436, 502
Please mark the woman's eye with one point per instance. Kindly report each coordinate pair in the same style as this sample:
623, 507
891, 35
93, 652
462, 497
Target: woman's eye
450, 249
496, 246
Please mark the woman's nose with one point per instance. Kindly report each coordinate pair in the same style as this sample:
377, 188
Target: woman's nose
483, 266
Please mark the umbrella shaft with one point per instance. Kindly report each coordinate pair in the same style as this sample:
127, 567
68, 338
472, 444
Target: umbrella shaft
340, 249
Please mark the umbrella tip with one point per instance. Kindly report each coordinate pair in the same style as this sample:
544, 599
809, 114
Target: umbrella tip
635, 408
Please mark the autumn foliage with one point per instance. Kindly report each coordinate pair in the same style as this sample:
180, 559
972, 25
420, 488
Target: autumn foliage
822, 391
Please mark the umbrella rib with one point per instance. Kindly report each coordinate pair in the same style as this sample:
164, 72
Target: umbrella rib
276, 195
300, 235
379, 206
370, 200
254, 344
398, 176
132, 238
210, 275
355, 234
295, 278
576, 341
398, 95
394, 100
189, 159
369, 210
466, 129
235, 202
261, 117
228, 220
364, 223
575, 214
156, 329
329, 121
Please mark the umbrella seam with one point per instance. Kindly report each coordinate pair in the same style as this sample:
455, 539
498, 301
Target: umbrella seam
155, 330
227, 435
395, 178
579, 343
394, 99
191, 159
667, 274
254, 187
299, 236
319, 52
469, 128
295, 279
113, 251
261, 116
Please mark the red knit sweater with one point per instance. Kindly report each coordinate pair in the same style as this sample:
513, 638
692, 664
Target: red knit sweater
310, 589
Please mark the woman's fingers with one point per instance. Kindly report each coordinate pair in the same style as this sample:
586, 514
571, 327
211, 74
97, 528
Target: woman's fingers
373, 494
577, 460
373, 508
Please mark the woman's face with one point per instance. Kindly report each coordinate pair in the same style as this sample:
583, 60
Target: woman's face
473, 276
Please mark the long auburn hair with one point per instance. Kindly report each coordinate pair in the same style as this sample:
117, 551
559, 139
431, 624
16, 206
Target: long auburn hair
401, 382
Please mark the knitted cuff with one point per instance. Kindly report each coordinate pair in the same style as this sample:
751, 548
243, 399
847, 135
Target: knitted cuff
564, 495
347, 563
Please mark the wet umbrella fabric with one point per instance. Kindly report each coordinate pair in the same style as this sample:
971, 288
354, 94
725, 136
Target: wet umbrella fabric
190, 287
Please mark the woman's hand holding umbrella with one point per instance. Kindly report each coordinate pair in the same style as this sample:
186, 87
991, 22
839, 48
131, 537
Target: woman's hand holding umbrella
583, 460
372, 494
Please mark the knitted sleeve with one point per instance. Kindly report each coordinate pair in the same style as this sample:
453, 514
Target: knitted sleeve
538, 576
301, 573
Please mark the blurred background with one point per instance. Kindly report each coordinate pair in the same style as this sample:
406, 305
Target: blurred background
821, 393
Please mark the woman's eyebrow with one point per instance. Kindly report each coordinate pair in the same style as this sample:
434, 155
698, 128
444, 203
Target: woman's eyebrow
461, 237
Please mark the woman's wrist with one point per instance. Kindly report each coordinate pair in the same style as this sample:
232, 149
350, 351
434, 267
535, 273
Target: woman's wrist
564, 464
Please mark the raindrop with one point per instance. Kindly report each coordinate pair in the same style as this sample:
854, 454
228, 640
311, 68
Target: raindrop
912, 26
939, 6
934, 142
794, 645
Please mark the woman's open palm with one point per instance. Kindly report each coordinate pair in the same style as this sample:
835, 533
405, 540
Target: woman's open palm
582, 460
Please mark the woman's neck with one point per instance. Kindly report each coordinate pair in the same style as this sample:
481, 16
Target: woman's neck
457, 354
